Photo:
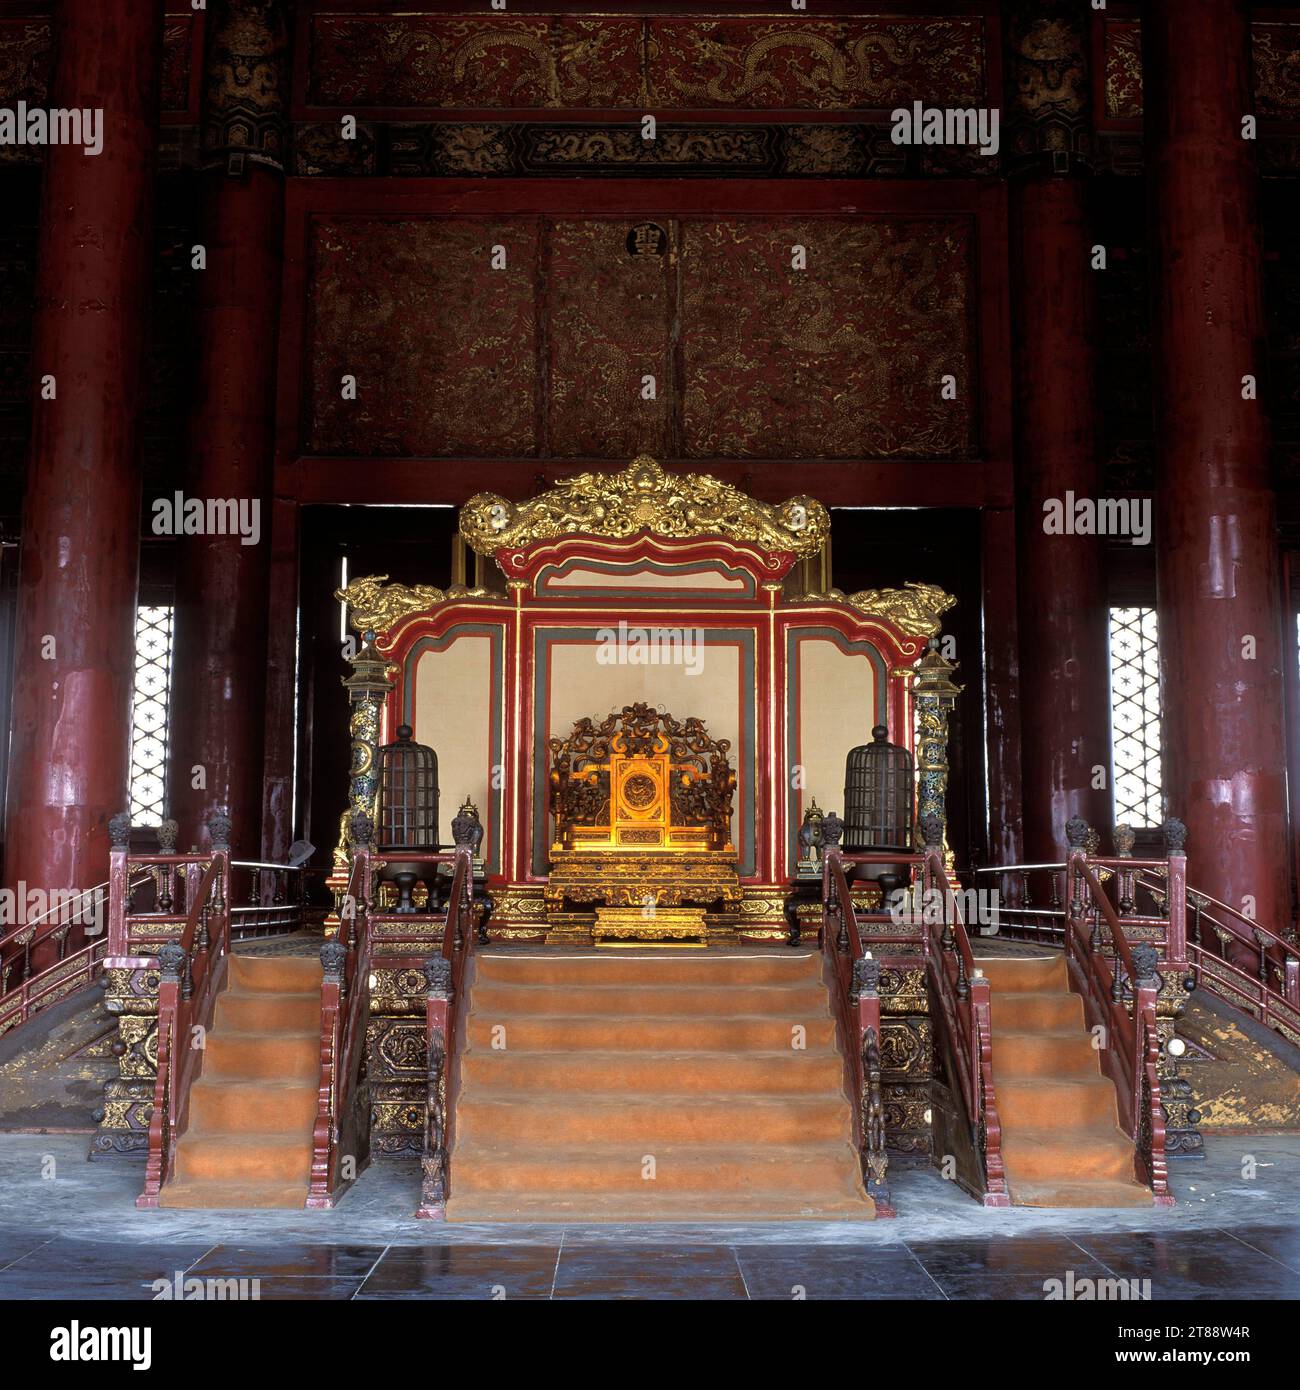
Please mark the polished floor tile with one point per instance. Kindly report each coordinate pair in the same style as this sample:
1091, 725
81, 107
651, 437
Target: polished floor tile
15, 1244
124, 1261
1193, 1264
651, 1272
464, 1272
54, 1286
308, 1288
291, 1258
835, 1271
1003, 1268
1281, 1243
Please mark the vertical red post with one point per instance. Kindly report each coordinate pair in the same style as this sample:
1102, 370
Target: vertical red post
1176, 936
1220, 602
1065, 712
219, 709
74, 644
1065, 716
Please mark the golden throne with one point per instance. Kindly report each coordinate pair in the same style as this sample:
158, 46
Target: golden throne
642, 805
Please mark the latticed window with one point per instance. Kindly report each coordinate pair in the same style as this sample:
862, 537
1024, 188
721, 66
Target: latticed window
1135, 716
150, 698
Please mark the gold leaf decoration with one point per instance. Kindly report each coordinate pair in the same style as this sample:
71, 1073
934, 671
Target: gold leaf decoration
374, 606
914, 609
644, 498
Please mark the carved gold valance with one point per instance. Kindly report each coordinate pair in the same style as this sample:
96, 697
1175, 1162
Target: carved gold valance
914, 609
374, 606
644, 498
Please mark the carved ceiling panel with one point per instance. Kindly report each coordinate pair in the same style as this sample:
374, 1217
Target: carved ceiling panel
602, 338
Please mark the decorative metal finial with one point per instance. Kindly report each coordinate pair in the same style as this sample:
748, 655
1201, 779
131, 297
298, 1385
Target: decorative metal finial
437, 975
363, 831
119, 830
1076, 832
219, 830
1124, 837
171, 961
466, 828
167, 832
1145, 965
333, 959
1175, 833
866, 978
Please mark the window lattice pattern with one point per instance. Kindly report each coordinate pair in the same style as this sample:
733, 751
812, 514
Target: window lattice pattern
1135, 716
150, 698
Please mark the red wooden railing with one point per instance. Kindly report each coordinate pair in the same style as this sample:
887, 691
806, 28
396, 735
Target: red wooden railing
445, 973
25, 991
339, 1132
1119, 995
1271, 990
853, 975
959, 988
963, 996
276, 898
1196, 932
192, 974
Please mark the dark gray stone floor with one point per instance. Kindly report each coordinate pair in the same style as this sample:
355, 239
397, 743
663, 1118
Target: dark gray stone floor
69, 1229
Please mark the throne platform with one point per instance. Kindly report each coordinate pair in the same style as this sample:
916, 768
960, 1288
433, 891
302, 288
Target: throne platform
640, 592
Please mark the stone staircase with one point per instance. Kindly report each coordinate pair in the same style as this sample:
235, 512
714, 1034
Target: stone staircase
652, 1085
249, 1138
1061, 1141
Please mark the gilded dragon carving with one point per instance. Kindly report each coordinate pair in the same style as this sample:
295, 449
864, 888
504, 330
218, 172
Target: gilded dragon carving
914, 609
374, 605
644, 498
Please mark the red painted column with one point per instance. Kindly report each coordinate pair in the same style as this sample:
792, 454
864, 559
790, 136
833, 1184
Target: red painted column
1065, 687
1002, 688
219, 707
74, 644
1063, 656
1220, 602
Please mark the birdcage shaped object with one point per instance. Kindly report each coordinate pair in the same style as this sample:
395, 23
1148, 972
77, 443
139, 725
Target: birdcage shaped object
878, 795
408, 794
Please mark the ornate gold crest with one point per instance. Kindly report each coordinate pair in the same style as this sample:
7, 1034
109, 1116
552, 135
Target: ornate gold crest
914, 609
374, 606
644, 498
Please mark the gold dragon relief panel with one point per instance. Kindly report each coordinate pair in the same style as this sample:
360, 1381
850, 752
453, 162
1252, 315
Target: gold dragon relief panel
610, 321
1275, 54
423, 337
476, 62
572, 62
827, 338
814, 64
